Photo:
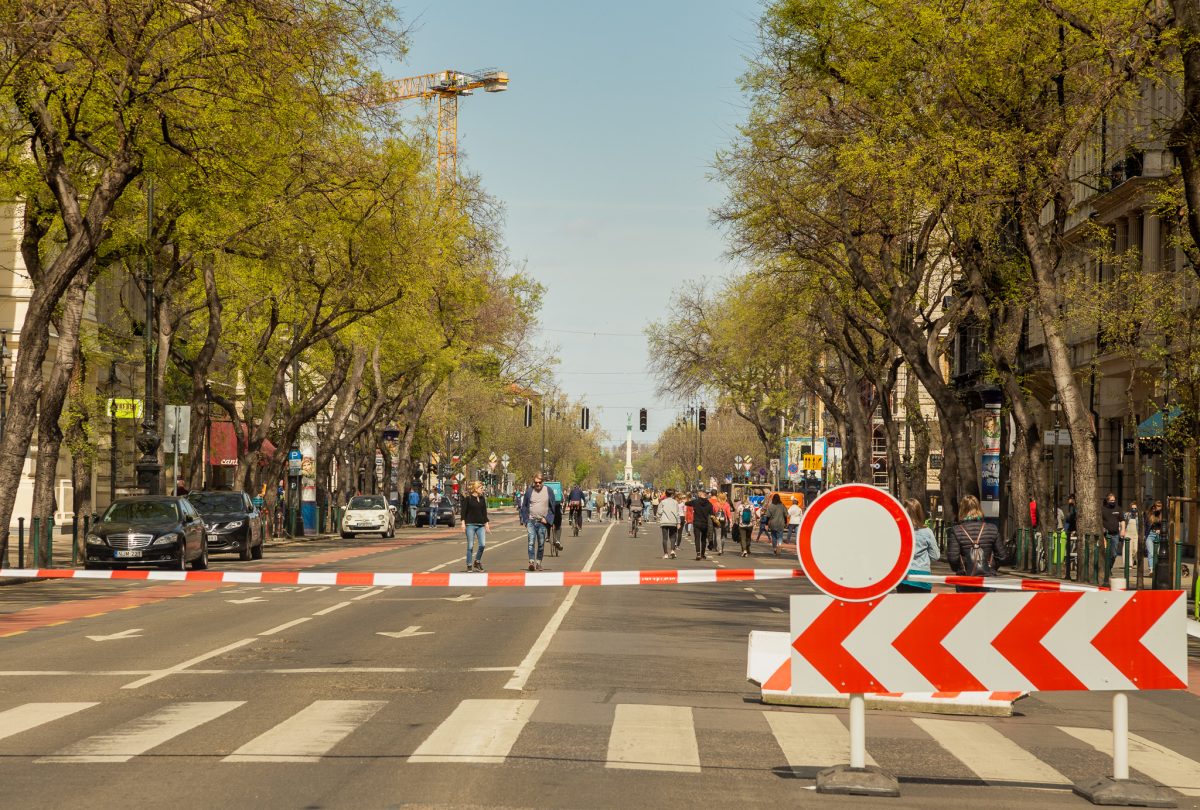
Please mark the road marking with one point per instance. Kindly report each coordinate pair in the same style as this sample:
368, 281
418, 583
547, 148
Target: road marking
525, 668
125, 673
365, 595
760, 596
162, 673
146, 732
466, 597
134, 633
1159, 763
811, 740
310, 733
989, 754
331, 608
285, 626
777, 609
476, 731
407, 632
653, 738
462, 559
246, 601
32, 715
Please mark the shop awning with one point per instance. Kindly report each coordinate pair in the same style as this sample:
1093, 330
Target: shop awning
1152, 428
223, 446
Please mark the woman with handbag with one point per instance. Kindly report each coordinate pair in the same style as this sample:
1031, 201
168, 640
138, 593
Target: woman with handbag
973, 546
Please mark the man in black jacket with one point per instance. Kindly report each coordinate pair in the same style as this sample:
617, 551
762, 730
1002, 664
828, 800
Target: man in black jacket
1114, 527
702, 512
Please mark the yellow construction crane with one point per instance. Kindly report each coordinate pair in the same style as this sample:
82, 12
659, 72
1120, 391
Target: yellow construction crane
446, 87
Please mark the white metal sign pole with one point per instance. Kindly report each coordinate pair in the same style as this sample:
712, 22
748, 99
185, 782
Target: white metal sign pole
1120, 735
858, 730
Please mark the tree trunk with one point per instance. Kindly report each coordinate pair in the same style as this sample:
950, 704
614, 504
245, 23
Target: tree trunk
916, 469
328, 443
948, 478
1184, 138
54, 395
82, 449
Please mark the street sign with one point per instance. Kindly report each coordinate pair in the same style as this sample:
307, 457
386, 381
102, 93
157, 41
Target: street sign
855, 543
814, 461
177, 423
459, 477
794, 468
492, 458
295, 462
737, 460
435, 458
699, 468
491, 466
998, 642
125, 408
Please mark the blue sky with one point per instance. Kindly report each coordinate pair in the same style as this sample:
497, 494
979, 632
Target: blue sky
601, 152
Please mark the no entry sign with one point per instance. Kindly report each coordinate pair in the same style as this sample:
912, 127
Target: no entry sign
855, 542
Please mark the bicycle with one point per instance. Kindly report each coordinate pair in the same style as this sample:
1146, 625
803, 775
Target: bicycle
576, 519
636, 521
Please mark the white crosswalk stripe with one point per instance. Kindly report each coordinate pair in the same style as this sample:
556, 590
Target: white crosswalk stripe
31, 715
989, 754
146, 732
309, 734
477, 731
812, 740
1156, 761
653, 738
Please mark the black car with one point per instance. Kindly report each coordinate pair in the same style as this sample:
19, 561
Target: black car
232, 523
446, 513
149, 530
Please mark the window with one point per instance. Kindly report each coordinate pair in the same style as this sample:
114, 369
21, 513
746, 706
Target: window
367, 502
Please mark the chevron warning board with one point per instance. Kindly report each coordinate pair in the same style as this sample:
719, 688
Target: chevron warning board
978, 642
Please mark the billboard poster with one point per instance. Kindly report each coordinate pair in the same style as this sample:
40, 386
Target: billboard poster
989, 451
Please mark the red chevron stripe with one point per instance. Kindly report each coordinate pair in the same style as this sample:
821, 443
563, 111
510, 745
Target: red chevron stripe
921, 643
821, 645
1120, 641
1021, 641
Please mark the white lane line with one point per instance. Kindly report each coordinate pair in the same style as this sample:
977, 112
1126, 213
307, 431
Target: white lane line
309, 733
32, 715
476, 731
989, 754
653, 738
125, 673
146, 732
751, 590
777, 610
162, 673
760, 596
1156, 761
285, 626
461, 558
331, 609
365, 595
525, 668
811, 740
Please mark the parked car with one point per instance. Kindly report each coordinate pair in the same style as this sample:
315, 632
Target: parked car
447, 512
231, 522
147, 530
368, 514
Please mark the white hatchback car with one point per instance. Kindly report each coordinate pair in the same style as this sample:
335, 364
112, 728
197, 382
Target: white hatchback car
368, 514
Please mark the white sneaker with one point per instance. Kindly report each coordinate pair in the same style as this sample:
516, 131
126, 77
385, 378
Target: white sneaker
539, 566
666, 556
532, 565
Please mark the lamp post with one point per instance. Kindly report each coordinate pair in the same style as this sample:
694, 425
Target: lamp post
4, 355
1057, 410
149, 471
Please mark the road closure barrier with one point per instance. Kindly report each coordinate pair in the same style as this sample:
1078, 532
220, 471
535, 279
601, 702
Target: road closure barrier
517, 579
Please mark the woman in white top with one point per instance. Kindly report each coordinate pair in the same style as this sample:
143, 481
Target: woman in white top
668, 521
795, 514
925, 548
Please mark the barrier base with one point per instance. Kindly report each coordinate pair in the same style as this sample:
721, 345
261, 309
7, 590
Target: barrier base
1125, 793
846, 781
972, 706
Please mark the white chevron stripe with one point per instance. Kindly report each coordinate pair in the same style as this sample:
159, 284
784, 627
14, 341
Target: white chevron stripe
971, 643
805, 677
871, 643
1070, 640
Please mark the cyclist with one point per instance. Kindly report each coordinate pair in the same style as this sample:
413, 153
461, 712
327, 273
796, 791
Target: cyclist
575, 501
635, 511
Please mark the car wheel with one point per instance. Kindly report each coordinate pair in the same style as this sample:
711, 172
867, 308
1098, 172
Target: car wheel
257, 551
201, 562
245, 552
181, 563
347, 535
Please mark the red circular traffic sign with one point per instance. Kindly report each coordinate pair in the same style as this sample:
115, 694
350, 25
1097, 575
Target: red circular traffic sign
855, 542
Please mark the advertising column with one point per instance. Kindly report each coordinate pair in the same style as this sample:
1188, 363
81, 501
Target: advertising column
989, 479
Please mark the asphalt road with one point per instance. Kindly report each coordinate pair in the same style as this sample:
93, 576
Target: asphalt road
117, 695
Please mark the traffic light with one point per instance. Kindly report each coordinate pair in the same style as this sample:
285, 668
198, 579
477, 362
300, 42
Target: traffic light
642, 419
585, 419
528, 414
702, 420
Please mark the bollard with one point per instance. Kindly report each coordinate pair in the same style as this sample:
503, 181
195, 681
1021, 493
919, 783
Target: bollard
50, 542
35, 539
75, 541
20, 542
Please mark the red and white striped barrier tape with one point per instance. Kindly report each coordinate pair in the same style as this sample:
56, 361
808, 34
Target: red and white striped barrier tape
553, 579
1003, 583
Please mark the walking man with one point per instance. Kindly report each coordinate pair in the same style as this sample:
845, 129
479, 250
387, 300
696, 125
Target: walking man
414, 500
702, 513
536, 510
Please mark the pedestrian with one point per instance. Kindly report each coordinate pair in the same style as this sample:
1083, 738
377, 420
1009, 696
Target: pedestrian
1154, 526
973, 545
475, 518
761, 515
702, 512
795, 515
776, 518
591, 504
745, 525
668, 523
1113, 521
1133, 534
414, 501
1072, 519
722, 518
925, 548
536, 511
619, 505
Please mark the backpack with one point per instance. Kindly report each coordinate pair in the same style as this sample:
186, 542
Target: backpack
975, 563
747, 515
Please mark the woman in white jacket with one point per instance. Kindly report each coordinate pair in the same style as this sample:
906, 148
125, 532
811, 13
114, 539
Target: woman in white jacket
668, 521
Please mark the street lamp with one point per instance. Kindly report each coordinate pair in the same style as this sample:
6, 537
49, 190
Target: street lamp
1056, 408
4, 355
149, 471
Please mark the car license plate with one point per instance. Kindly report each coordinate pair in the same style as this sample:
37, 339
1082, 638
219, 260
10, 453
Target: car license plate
212, 538
125, 553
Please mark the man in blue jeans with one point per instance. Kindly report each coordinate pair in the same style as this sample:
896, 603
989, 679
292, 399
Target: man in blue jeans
1113, 521
414, 500
536, 510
